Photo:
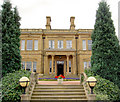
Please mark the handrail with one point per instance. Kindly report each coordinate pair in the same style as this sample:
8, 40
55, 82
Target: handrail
84, 82
33, 81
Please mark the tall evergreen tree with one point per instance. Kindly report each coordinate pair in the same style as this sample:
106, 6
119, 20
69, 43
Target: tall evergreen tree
0, 44
10, 41
17, 39
105, 58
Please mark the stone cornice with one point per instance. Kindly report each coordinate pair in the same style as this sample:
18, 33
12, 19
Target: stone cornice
56, 31
59, 50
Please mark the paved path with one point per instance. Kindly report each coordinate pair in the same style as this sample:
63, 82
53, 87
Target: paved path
56, 83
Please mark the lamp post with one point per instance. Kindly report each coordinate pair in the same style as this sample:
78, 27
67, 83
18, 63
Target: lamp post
91, 82
24, 82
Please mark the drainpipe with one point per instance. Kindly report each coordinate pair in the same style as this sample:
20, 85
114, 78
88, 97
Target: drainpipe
43, 52
76, 57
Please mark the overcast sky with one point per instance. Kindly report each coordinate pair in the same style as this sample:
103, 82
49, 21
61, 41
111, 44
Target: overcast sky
33, 13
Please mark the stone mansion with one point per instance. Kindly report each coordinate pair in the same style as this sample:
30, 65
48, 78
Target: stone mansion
52, 52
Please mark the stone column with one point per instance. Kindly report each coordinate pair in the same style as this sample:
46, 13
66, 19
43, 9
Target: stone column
55, 67
46, 69
64, 67
74, 65
52, 63
67, 64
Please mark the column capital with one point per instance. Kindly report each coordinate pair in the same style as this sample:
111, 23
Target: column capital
73, 55
52, 55
46, 55
67, 55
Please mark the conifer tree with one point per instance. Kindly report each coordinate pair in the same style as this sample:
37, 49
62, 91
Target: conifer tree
10, 41
0, 44
17, 39
105, 58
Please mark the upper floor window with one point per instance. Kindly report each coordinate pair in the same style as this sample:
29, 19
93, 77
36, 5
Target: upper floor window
23, 45
51, 44
69, 44
89, 44
35, 44
60, 44
84, 44
29, 44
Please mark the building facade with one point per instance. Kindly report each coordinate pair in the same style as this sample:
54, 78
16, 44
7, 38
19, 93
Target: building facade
52, 52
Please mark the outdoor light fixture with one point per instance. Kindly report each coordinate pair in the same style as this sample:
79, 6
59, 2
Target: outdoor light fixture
91, 82
24, 82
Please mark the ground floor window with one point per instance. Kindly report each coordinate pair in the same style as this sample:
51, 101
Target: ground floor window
34, 66
28, 66
66, 66
50, 66
69, 66
87, 65
23, 65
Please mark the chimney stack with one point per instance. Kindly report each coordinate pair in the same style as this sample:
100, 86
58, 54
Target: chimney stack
48, 20
72, 26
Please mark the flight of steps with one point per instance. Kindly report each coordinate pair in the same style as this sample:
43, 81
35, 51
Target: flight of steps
58, 93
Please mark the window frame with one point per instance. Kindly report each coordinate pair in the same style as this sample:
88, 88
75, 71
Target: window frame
90, 45
30, 49
50, 66
85, 65
27, 65
22, 45
84, 44
70, 64
34, 64
60, 44
69, 44
35, 43
51, 44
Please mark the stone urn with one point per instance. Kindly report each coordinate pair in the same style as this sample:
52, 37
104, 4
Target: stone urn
60, 80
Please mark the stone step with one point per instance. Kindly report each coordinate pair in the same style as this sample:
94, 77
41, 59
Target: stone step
57, 93
59, 100
60, 97
58, 87
59, 90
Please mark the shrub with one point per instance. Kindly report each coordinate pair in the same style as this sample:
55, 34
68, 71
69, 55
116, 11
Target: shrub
105, 89
11, 90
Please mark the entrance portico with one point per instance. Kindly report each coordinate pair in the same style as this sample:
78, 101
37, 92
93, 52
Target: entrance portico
60, 64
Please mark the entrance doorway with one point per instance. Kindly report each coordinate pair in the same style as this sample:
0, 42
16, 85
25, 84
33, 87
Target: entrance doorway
60, 68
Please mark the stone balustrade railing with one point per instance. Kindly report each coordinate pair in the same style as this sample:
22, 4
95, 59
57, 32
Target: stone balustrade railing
30, 88
83, 80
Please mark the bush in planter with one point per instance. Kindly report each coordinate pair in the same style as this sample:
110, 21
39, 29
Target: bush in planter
59, 77
104, 89
11, 90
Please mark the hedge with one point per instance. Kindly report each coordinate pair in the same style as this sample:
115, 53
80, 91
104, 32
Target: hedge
105, 89
11, 90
